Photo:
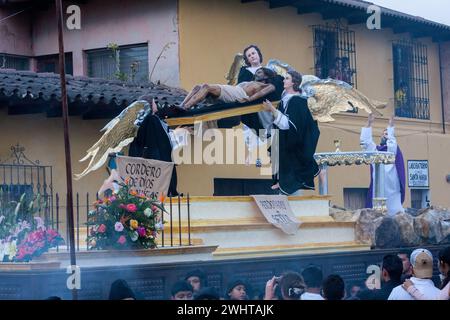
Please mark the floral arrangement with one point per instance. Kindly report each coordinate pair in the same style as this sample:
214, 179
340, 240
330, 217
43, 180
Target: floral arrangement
125, 220
36, 243
23, 235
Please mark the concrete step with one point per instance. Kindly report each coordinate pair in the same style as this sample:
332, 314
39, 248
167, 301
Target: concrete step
242, 207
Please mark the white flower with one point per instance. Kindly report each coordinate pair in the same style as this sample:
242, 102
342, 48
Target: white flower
118, 227
147, 212
159, 226
40, 223
134, 236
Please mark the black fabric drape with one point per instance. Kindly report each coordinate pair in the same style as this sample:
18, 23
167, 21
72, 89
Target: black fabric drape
297, 167
152, 142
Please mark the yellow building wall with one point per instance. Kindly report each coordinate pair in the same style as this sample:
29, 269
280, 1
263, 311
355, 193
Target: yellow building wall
43, 140
213, 31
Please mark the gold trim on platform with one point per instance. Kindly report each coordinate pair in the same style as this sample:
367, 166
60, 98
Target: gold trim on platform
245, 198
306, 248
27, 266
96, 254
212, 225
215, 115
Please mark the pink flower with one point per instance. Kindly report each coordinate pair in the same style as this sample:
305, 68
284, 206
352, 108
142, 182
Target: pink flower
101, 229
154, 208
122, 240
112, 198
141, 231
118, 227
131, 207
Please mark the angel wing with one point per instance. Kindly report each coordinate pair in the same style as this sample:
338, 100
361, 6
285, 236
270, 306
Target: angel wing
235, 67
281, 68
327, 97
119, 132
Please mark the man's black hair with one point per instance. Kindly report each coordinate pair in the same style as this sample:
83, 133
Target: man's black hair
121, 290
312, 276
394, 266
196, 273
181, 286
333, 288
405, 251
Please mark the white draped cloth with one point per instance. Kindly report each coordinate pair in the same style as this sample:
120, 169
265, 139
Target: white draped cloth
391, 179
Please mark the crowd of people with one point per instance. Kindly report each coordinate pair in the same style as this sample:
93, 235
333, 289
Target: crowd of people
404, 276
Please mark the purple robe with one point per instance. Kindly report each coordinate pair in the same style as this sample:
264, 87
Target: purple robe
399, 166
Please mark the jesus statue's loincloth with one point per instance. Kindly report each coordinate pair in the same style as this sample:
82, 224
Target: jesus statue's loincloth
230, 94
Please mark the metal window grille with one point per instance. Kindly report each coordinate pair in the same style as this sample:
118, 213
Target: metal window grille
8, 61
411, 86
335, 53
101, 63
50, 63
21, 176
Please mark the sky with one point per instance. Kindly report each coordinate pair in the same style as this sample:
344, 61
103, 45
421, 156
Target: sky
435, 10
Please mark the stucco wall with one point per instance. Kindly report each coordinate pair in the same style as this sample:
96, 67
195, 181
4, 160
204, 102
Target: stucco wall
124, 23
211, 32
229, 26
15, 33
445, 56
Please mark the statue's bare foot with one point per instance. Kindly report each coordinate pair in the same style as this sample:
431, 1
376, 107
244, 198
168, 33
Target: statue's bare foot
275, 186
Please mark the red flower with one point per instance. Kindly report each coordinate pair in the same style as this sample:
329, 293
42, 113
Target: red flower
101, 229
131, 207
122, 240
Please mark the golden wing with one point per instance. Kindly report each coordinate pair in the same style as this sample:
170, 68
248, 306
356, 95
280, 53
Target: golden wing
332, 97
235, 67
120, 132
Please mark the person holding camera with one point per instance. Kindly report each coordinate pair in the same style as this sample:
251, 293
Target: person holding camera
291, 284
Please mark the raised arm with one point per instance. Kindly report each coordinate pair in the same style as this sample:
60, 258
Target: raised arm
391, 141
365, 139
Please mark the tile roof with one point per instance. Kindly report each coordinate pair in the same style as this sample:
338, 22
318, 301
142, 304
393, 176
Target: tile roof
361, 4
356, 12
30, 92
25, 92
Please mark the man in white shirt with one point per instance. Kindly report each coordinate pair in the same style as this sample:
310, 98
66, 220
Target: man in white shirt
313, 278
422, 265
394, 179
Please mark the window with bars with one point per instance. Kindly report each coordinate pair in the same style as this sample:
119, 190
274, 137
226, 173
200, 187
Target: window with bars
133, 63
50, 63
334, 53
8, 61
411, 90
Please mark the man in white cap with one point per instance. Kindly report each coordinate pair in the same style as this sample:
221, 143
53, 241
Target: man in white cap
422, 270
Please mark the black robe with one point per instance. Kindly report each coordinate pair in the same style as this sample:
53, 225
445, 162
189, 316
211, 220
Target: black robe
297, 167
153, 142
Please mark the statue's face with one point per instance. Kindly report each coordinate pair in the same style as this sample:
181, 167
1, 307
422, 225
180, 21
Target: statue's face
253, 57
260, 75
288, 84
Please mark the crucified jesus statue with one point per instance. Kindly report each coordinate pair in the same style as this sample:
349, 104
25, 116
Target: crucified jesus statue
243, 92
